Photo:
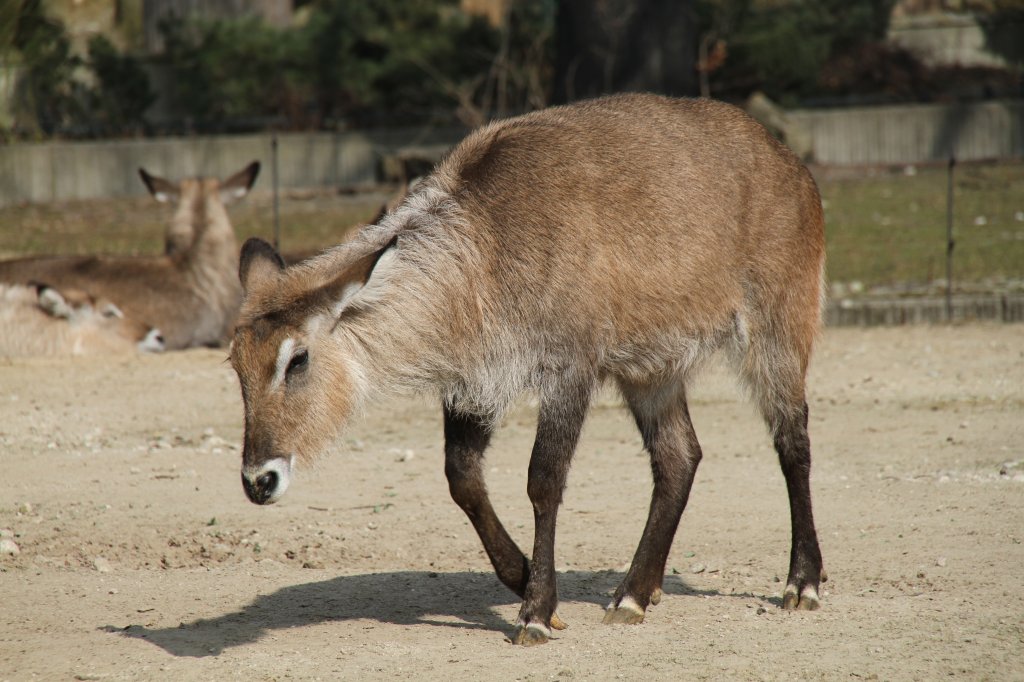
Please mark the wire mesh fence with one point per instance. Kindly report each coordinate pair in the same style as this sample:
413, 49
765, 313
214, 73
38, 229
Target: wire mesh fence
887, 227
925, 243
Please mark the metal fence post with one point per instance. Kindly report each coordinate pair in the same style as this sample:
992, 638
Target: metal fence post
950, 243
273, 173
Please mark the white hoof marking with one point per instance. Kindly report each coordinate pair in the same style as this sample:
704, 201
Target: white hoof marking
627, 604
536, 627
809, 593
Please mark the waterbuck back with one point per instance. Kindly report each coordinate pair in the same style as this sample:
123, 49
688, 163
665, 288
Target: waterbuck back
190, 292
625, 238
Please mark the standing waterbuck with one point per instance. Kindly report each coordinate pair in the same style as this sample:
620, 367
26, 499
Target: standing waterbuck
624, 238
191, 291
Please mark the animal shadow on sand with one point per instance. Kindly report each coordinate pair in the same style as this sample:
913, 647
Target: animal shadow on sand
461, 600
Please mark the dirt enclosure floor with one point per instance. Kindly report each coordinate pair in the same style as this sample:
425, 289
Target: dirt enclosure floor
138, 556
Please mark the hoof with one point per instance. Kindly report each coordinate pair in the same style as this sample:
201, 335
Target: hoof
530, 634
806, 600
628, 612
557, 623
656, 596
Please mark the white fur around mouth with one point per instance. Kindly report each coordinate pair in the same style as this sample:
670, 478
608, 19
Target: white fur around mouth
280, 466
152, 343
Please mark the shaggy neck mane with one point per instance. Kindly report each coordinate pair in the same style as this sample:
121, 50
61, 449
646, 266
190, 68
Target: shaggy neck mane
407, 331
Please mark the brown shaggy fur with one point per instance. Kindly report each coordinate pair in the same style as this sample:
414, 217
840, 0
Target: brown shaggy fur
625, 238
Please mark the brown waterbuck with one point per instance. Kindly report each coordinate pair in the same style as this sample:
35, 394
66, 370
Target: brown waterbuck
40, 320
620, 239
191, 292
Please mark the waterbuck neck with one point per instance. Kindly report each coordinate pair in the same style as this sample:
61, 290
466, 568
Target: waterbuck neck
423, 328
211, 258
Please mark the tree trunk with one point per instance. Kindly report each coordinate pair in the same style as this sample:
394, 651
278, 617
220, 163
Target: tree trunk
625, 45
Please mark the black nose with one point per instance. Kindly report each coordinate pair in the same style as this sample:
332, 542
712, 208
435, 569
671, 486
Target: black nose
262, 490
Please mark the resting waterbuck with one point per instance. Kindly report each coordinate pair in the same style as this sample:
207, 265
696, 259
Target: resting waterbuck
620, 239
191, 291
40, 320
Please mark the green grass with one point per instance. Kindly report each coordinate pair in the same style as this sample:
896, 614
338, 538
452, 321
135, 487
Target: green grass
136, 226
889, 229
883, 228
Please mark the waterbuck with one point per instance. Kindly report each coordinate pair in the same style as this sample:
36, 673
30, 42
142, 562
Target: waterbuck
621, 239
40, 320
191, 292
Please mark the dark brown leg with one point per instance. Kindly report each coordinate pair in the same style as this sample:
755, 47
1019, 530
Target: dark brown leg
805, 567
465, 439
664, 422
558, 430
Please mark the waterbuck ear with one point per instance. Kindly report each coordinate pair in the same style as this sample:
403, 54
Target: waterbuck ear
52, 302
162, 190
239, 184
357, 285
257, 263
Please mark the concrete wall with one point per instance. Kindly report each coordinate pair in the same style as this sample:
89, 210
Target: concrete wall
867, 135
1005, 307
59, 171
914, 133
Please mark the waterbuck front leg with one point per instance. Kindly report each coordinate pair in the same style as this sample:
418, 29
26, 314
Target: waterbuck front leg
664, 422
465, 439
562, 412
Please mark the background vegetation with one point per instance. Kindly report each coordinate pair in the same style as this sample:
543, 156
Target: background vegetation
356, 63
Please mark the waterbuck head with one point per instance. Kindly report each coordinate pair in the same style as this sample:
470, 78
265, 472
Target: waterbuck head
200, 206
298, 369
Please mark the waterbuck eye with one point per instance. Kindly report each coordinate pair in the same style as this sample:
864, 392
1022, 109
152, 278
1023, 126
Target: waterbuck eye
298, 362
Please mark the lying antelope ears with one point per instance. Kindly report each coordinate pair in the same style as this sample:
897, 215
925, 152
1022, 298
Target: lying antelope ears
52, 302
258, 263
162, 190
358, 284
239, 184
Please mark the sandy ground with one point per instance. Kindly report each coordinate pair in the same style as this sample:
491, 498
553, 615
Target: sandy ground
140, 557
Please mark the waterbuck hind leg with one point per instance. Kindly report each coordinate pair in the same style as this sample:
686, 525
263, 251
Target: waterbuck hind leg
558, 429
789, 431
465, 439
664, 422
